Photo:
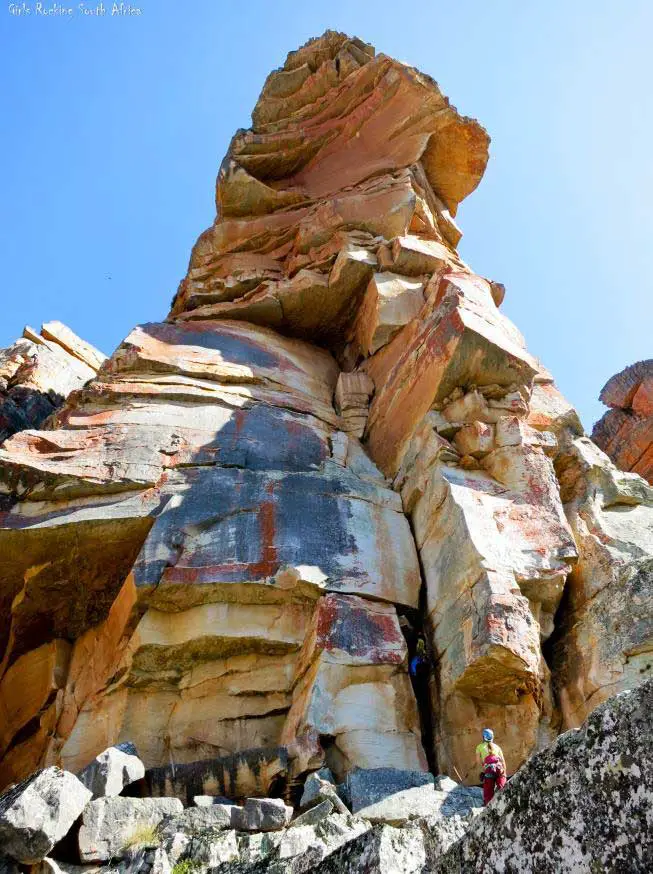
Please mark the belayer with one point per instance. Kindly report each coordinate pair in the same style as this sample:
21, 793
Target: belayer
490, 757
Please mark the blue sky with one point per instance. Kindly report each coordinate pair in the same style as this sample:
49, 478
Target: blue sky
114, 128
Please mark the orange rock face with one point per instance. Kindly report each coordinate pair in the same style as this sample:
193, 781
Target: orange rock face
625, 432
224, 546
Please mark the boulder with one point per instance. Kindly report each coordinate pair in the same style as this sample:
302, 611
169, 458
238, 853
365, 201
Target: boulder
38, 812
319, 787
111, 827
262, 815
369, 787
317, 813
209, 800
397, 798
195, 820
210, 850
295, 850
420, 802
112, 770
384, 850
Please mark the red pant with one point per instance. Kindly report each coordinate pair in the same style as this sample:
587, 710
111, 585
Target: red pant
490, 786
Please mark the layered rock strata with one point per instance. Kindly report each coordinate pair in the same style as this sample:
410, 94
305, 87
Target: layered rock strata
212, 547
39, 371
625, 432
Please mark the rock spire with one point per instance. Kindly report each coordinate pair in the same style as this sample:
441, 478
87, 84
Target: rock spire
222, 548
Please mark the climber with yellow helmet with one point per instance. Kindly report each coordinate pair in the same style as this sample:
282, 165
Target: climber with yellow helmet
493, 764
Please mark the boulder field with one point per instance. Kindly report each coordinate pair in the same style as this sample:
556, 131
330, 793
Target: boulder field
584, 804
222, 547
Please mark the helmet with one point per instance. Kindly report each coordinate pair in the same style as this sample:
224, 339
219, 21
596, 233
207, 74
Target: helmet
488, 734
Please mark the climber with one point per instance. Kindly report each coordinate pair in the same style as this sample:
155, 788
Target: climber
419, 663
493, 764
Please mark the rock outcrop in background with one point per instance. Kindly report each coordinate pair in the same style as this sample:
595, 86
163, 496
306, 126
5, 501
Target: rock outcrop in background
39, 371
625, 432
213, 548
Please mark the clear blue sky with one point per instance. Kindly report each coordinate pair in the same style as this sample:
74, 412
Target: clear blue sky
114, 128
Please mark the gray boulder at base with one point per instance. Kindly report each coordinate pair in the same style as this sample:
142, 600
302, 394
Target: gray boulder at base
389, 850
194, 820
296, 850
315, 814
262, 815
370, 786
584, 804
318, 788
38, 812
112, 770
394, 797
209, 800
111, 827
384, 850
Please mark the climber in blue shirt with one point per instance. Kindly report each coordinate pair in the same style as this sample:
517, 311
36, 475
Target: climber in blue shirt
418, 665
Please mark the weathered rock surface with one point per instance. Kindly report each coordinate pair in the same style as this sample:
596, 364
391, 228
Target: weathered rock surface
263, 815
112, 826
39, 371
625, 432
38, 812
396, 797
213, 548
226, 598
112, 770
583, 804
320, 789
414, 848
604, 642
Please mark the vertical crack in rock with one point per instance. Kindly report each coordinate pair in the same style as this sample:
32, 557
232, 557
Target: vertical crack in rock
213, 545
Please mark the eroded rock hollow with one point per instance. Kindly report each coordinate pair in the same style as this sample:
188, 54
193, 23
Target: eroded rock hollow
213, 549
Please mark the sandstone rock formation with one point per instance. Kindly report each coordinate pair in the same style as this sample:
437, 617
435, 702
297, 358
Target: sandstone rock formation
39, 371
625, 432
213, 548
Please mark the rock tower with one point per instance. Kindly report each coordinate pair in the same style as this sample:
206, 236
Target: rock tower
219, 547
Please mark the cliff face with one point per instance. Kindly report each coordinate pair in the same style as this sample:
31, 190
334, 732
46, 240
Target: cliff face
213, 549
625, 432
